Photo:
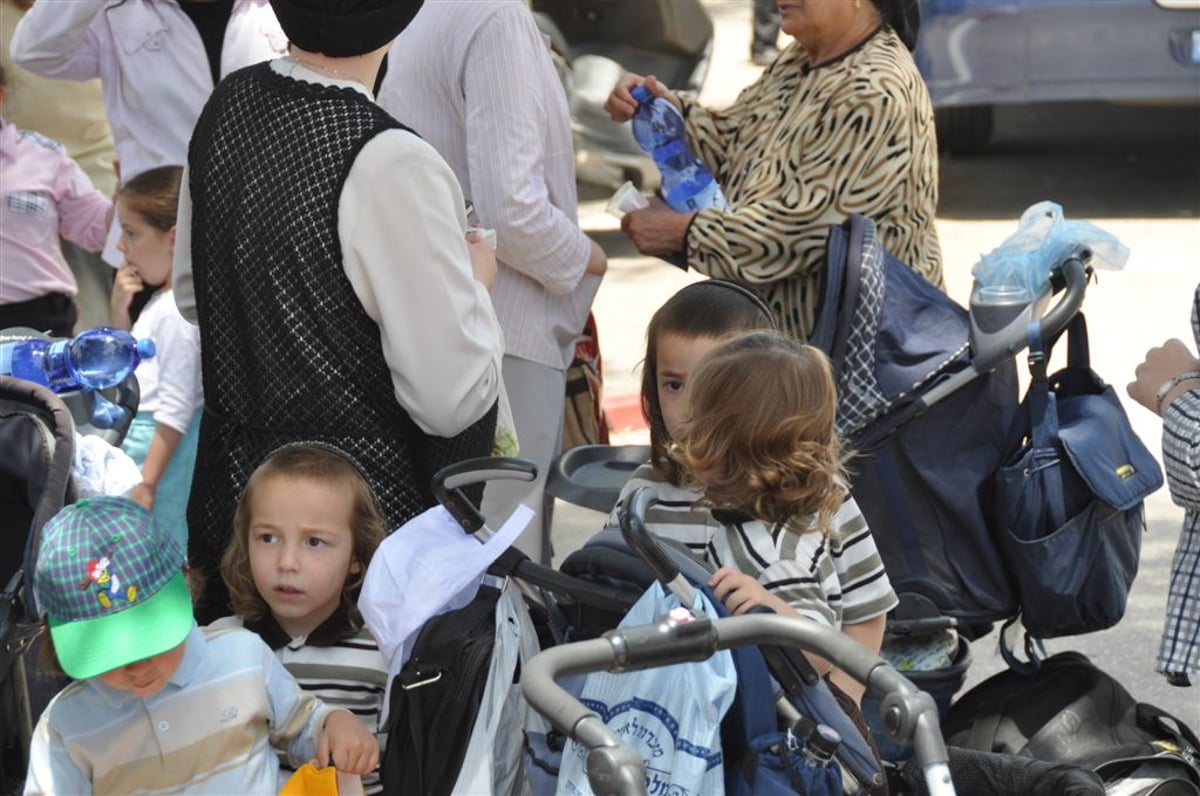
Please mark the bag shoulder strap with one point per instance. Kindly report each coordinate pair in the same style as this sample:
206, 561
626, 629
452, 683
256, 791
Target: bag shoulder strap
1043, 425
1078, 348
856, 227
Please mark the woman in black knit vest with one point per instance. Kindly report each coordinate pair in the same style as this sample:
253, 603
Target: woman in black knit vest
321, 251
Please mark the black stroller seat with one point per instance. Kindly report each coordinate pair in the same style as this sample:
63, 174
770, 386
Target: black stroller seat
37, 436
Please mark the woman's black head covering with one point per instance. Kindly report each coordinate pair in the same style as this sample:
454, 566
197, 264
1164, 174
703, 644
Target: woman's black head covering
904, 17
343, 28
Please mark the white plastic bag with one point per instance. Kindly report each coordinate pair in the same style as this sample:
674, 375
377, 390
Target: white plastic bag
99, 468
671, 714
425, 568
493, 761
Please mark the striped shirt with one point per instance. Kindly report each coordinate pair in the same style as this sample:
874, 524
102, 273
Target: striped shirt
208, 731
1180, 648
475, 79
836, 579
344, 671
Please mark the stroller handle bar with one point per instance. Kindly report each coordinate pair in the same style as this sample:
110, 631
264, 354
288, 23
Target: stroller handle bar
1074, 274
633, 529
993, 347
909, 715
448, 482
784, 666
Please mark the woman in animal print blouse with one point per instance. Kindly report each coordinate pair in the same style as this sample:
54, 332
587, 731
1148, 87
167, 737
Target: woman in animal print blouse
840, 123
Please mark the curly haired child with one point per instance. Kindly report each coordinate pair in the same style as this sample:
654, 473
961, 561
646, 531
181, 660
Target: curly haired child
748, 475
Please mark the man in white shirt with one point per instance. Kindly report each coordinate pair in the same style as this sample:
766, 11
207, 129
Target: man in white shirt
474, 78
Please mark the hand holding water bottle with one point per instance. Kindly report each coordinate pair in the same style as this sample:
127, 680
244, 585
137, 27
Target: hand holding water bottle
687, 184
621, 105
659, 128
656, 230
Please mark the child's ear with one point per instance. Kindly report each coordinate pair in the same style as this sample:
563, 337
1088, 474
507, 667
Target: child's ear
172, 231
355, 565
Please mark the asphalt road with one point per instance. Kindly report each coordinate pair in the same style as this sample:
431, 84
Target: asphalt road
1134, 171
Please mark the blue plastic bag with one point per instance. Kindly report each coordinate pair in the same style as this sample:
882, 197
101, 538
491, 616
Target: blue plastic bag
671, 714
1043, 240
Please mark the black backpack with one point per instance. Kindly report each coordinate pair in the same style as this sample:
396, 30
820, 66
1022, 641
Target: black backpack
1071, 711
436, 696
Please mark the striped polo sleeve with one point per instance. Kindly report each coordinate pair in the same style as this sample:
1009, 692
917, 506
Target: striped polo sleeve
865, 588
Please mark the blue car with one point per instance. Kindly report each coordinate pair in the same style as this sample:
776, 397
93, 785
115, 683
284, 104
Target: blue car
976, 54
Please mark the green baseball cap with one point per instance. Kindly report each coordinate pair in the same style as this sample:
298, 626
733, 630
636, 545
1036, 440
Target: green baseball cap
111, 581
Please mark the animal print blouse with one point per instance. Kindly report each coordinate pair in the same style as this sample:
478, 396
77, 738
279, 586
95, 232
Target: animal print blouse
801, 149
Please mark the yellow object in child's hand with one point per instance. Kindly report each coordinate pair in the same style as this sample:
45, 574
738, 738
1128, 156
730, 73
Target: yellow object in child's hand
308, 780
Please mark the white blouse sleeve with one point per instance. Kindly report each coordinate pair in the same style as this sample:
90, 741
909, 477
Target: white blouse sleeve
181, 265
179, 391
401, 219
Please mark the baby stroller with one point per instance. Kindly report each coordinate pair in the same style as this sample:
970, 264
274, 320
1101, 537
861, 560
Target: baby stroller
453, 712
454, 720
927, 395
928, 399
37, 431
448, 688
763, 759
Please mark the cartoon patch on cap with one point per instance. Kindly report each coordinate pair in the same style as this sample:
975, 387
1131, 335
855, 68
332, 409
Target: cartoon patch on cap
101, 575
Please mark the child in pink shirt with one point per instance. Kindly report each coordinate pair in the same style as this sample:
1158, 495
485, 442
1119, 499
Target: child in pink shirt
43, 195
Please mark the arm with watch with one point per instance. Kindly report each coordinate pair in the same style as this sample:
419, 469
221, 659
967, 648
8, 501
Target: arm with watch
1167, 372
1167, 382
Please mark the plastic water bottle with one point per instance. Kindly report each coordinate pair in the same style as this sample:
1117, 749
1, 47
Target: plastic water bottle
95, 359
822, 743
687, 183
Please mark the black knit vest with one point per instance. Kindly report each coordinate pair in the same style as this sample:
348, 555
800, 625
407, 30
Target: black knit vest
288, 352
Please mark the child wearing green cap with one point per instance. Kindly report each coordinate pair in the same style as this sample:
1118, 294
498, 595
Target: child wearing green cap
160, 706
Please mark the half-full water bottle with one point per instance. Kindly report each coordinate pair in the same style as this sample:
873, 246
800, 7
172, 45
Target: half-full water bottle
95, 359
687, 184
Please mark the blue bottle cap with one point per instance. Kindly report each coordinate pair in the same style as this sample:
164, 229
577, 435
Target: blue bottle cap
641, 93
145, 348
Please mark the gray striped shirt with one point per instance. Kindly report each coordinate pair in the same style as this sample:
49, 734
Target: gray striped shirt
474, 78
837, 579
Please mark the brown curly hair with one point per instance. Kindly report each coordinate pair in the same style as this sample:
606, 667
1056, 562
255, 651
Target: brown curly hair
759, 438
314, 462
709, 308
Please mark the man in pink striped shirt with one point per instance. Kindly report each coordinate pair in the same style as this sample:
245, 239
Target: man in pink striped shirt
43, 194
